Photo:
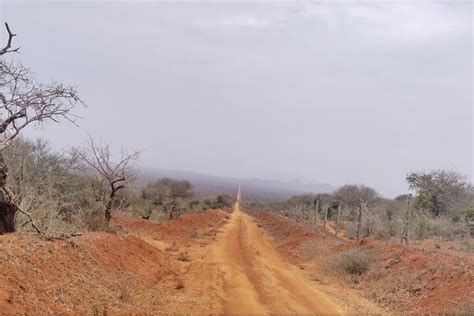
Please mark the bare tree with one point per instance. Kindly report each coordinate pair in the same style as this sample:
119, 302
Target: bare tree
24, 102
112, 174
352, 195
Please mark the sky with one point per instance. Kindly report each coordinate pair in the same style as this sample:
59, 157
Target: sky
326, 92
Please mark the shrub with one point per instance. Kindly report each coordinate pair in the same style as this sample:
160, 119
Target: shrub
427, 226
90, 219
179, 285
218, 201
353, 261
465, 308
183, 256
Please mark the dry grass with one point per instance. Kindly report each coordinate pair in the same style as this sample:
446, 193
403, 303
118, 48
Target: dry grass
315, 249
179, 285
402, 287
465, 308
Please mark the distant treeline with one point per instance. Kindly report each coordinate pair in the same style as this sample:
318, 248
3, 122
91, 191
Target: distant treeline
442, 205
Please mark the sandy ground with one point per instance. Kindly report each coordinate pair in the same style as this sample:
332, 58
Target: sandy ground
257, 279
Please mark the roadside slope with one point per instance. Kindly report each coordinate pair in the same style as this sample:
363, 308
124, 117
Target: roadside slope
402, 279
103, 272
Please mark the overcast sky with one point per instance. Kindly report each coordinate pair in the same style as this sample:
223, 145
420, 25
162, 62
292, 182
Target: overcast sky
334, 92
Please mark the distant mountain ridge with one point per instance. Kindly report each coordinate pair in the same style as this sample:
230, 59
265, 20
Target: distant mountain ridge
252, 189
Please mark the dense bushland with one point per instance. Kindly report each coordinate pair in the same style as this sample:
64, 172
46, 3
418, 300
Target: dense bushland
63, 196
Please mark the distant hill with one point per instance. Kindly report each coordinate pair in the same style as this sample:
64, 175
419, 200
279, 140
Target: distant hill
252, 189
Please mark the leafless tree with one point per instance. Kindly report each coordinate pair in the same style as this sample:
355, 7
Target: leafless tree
25, 102
113, 174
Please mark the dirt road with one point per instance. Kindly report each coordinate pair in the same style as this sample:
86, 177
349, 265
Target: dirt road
256, 279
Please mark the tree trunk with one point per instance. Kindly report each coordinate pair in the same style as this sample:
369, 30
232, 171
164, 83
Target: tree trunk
107, 212
336, 231
108, 205
7, 207
174, 212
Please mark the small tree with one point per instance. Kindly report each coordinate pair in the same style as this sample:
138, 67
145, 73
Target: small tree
111, 174
168, 193
352, 195
438, 191
356, 198
25, 102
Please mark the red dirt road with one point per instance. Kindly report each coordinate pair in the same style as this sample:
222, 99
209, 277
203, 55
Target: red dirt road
256, 279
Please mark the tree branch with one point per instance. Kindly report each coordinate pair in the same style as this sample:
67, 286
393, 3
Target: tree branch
7, 48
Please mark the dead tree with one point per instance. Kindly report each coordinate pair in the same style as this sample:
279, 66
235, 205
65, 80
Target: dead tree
336, 231
25, 102
405, 237
112, 174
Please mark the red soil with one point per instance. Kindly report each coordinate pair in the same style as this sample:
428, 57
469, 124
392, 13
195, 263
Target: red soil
183, 228
129, 274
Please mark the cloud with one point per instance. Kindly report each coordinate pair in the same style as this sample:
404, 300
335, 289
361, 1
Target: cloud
391, 20
235, 21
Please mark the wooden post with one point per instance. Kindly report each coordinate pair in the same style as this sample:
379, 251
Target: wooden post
316, 209
336, 231
359, 221
326, 207
406, 230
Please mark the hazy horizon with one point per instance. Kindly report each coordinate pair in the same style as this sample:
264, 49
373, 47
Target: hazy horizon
319, 92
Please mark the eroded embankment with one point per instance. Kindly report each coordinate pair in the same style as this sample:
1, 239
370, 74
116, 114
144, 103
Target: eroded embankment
101, 272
